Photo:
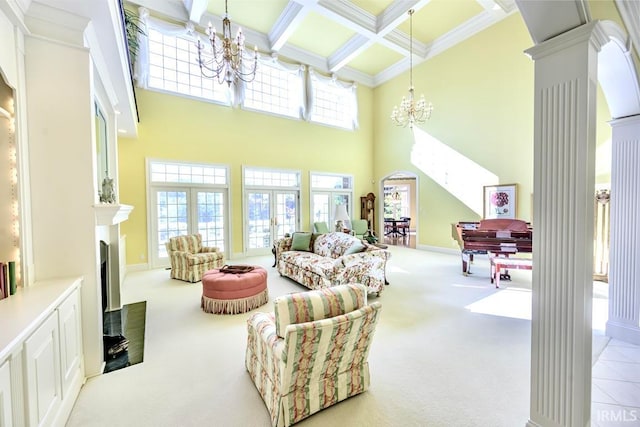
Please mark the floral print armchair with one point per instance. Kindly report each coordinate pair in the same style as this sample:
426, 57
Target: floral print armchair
189, 259
299, 372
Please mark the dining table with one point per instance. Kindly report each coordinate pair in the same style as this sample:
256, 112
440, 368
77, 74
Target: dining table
391, 224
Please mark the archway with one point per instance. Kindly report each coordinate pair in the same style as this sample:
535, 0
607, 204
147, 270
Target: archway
399, 198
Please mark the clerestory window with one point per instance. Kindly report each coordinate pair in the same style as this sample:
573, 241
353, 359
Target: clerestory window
167, 61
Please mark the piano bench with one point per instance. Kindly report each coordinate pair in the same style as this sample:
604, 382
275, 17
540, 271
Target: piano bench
499, 263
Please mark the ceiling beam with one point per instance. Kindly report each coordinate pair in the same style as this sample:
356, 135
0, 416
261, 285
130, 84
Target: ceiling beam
195, 9
369, 28
345, 54
287, 22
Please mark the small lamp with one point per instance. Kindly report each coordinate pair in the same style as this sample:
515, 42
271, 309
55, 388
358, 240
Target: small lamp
340, 216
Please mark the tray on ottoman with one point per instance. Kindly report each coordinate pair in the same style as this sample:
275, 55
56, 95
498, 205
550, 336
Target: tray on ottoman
236, 269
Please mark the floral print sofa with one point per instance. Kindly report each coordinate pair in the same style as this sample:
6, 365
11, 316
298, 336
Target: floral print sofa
334, 259
297, 371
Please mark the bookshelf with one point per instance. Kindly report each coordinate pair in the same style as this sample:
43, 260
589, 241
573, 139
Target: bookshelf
9, 219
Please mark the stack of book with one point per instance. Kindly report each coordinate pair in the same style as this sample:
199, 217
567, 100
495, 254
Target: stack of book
7, 279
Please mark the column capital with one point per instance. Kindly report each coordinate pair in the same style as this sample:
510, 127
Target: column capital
591, 32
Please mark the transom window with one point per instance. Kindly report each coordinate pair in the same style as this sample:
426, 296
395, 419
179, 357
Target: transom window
325, 182
188, 173
271, 178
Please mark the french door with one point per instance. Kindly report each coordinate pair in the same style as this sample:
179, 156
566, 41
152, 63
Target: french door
269, 214
323, 206
180, 211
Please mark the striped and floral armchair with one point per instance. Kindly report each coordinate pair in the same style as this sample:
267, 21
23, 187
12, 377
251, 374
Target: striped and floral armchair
296, 369
189, 259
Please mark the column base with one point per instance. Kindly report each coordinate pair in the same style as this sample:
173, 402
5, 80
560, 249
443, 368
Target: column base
533, 424
623, 332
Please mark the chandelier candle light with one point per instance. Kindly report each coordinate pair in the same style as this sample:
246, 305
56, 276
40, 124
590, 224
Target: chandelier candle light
410, 111
226, 63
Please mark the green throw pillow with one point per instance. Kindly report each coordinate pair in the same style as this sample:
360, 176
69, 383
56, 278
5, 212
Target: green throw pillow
301, 242
354, 249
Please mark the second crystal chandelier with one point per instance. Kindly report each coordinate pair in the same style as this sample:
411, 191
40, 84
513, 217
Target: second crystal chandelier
411, 111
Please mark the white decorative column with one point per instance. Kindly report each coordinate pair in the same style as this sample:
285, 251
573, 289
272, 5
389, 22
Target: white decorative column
624, 276
564, 179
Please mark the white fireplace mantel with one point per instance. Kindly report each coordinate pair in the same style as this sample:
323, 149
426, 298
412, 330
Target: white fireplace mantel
111, 214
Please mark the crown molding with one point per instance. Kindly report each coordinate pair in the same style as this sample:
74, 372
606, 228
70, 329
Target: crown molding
56, 24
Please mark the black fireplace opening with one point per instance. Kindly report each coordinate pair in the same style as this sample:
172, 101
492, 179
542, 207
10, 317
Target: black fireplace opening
123, 329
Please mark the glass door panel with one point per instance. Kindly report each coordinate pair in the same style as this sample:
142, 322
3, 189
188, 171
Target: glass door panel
286, 214
320, 209
258, 221
171, 220
211, 218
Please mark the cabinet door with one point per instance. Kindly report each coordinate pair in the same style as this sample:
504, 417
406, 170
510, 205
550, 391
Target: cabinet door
5, 395
70, 341
42, 360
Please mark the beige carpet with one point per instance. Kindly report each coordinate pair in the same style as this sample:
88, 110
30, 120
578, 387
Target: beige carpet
449, 351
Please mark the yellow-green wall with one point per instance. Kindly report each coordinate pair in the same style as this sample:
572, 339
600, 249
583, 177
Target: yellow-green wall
178, 128
483, 96
482, 91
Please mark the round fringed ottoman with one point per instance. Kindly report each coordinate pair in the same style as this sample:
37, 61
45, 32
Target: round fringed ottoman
233, 293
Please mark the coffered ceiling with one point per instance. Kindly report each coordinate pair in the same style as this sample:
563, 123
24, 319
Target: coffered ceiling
366, 41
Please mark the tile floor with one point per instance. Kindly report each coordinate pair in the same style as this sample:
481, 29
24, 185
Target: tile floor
615, 387
615, 384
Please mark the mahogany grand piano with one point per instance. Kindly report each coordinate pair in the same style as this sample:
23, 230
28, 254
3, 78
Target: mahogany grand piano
502, 237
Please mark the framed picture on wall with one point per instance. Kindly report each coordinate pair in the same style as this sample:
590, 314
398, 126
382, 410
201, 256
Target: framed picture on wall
500, 201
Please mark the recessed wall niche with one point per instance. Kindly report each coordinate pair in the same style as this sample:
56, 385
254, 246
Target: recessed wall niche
9, 218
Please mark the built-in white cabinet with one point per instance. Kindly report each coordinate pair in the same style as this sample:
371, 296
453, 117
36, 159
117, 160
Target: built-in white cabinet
42, 369
70, 342
5, 395
41, 358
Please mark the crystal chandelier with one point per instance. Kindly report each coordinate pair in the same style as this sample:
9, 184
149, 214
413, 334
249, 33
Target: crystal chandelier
410, 111
227, 60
